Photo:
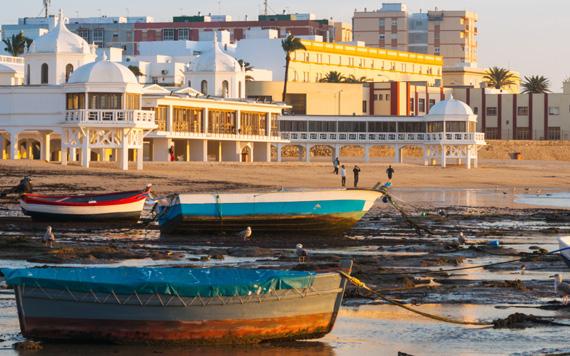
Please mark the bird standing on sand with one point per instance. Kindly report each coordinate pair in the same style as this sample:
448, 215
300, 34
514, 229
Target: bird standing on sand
561, 288
461, 239
301, 253
48, 238
246, 234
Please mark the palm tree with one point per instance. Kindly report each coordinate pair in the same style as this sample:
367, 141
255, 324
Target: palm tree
333, 77
136, 70
536, 84
17, 44
498, 77
352, 79
247, 66
289, 45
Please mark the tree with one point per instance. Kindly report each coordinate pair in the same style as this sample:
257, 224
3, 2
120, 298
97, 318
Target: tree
352, 79
17, 44
333, 77
498, 77
535, 84
136, 71
247, 66
289, 45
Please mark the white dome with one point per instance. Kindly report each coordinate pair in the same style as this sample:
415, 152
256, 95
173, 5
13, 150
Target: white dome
60, 40
216, 60
451, 107
103, 71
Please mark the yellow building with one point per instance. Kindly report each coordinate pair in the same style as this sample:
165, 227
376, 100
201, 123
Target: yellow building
474, 77
374, 64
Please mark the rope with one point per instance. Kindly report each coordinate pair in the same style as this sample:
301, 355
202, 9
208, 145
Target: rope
359, 283
521, 259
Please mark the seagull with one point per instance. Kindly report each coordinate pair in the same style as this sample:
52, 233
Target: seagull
48, 237
461, 239
301, 253
246, 234
441, 213
561, 288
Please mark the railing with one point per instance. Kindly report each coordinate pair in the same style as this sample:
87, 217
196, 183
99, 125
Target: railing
213, 135
10, 59
390, 137
110, 117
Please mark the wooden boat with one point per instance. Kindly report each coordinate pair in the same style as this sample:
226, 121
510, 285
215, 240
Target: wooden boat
209, 305
564, 243
303, 212
120, 205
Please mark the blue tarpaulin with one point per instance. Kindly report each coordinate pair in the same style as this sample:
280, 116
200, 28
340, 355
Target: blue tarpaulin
185, 282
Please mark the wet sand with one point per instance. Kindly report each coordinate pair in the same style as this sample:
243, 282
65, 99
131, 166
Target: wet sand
382, 246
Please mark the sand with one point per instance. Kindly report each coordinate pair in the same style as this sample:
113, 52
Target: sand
213, 176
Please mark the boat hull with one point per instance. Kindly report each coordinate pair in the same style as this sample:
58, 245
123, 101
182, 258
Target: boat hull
564, 242
291, 315
280, 212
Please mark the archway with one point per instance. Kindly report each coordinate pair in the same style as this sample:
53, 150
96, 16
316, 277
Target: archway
292, 152
322, 152
246, 154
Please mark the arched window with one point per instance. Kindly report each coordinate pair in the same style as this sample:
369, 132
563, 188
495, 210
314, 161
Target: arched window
28, 75
225, 88
204, 87
45, 75
68, 71
239, 89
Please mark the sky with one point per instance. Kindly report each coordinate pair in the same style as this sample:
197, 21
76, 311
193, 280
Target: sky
527, 36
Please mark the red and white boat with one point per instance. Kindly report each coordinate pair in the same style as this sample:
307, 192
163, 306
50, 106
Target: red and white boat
119, 205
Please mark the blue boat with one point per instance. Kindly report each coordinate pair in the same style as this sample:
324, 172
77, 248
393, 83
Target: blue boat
304, 212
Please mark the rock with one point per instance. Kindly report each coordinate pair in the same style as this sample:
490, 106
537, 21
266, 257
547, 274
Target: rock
217, 257
250, 252
28, 345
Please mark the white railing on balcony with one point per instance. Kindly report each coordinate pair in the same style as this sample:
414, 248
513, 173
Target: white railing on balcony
110, 117
214, 135
386, 137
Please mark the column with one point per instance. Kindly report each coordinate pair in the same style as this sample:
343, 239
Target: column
45, 147
366, 153
397, 157
268, 124
170, 119
279, 157
73, 154
85, 150
205, 120
139, 154
238, 122
336, 151
262, 152
29, 149
468, 160
443, 157
2, 147
124, 152
13, 145
63, 148
187, 151
307, 153
199, 150
426, 156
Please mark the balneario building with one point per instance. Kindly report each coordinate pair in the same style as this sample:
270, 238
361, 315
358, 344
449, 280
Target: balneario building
77, 107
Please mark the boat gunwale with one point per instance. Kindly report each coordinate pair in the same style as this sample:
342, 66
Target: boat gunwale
40, 199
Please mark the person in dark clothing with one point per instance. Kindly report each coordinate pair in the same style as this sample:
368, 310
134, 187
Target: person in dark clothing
343, 176
390, 172
336, 165
25, 186
356, 171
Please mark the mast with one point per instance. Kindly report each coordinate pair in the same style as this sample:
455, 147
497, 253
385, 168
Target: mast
46, 7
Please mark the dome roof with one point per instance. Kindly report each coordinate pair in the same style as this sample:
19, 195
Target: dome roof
103, 71
60, 40
216, 60
451, 107
7, 69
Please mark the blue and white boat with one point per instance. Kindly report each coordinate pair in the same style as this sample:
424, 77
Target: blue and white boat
564, 243
304, 212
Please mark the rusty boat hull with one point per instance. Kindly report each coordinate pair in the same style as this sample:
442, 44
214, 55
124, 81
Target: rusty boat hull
61, 315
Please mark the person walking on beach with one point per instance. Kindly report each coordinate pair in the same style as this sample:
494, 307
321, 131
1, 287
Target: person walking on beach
356, 171
343, 176
390, 172
171, 153
49, 238
336, 164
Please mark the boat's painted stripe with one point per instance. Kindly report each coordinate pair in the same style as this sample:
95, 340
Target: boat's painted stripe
83, 210
89, 201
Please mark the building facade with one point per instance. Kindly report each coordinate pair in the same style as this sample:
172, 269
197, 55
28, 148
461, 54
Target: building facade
450, 34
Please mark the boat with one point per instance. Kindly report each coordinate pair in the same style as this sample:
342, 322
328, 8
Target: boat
110, 206
302, 212
564, 243
189, 305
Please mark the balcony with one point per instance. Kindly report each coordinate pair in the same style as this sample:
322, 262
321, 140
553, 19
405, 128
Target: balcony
467, 138
111, 118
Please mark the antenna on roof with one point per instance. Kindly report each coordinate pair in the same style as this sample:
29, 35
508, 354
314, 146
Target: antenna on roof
265, 6
46, 3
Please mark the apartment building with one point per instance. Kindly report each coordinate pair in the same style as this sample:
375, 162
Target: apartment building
451, 34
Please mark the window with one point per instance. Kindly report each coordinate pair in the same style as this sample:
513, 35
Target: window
364, 106
431, 103
133, 101
394, 22
522, 133
380, 97
382, 37
375, 97
105, 101
75, 101
522, 110
225, 89
492, 111
436, 50
183, 34
475, 110
84, 33
422, 105
68, 71
387, 97
239, 89
99, 37
204, 87
381, 23
554, 110
45, 74
553, 133
168, 34
492, 133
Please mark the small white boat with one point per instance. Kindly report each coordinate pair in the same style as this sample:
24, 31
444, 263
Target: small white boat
564, 242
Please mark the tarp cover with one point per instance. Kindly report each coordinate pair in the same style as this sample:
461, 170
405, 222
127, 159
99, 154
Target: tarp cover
186, 282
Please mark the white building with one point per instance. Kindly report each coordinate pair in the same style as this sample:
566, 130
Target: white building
11, 70
76, 107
